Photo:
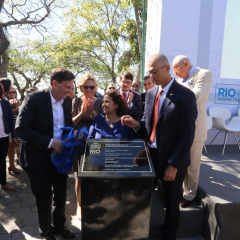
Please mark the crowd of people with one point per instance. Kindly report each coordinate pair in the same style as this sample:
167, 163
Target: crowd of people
170, 116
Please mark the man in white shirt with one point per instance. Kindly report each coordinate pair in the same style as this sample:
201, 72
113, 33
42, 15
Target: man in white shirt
41, 117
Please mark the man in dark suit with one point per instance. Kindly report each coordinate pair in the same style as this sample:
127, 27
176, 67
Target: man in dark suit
41, 117
133, 99
148, 83
169, 125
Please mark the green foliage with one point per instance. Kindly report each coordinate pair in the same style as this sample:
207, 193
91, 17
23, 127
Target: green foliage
100, 37
98, 30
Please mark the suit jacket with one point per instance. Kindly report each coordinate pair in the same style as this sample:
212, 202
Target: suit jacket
8, 120
34, 126
175, 126
200, 82
136, 111
143, 100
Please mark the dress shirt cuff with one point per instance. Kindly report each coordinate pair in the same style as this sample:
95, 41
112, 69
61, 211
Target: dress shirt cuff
50, 144
130, 106
136, 129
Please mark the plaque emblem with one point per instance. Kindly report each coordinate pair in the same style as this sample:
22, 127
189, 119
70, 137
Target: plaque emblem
95, 148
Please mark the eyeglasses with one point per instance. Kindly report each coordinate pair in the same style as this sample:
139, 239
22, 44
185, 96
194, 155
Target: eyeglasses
88, 87
155, 72
177, 70
128, 83
12, 92
111, 88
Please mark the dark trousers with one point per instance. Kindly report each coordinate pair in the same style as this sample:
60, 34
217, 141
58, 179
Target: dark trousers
3, 154
172, 192
45, 183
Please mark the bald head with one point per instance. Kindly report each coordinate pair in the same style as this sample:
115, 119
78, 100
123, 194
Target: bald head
180, 59
181, 66
159, 69
159, 58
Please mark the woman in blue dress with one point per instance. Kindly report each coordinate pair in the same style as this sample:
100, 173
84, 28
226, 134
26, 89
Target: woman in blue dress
108, 125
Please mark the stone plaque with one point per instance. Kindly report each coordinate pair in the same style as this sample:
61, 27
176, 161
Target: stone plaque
116, 156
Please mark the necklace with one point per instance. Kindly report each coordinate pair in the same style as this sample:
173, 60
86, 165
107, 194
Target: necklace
110, 123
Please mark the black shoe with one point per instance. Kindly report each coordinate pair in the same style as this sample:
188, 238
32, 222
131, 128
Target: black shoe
50, 238
65, 232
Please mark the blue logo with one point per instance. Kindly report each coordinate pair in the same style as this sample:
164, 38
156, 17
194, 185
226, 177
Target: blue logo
227, 94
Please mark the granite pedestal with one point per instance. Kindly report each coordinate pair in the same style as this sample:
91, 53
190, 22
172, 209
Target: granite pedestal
117, 182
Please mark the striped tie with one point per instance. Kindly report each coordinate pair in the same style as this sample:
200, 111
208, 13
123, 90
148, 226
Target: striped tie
155, 117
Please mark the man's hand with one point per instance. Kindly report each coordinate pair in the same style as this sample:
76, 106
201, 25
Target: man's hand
129, 121
14, 140
56, 145
170, 173
130, 98
80, 137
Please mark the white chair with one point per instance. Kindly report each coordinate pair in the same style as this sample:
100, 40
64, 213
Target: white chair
209, 126
219, 116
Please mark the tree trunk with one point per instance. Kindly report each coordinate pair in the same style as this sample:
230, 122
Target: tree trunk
4, 61
139, 69
139, 35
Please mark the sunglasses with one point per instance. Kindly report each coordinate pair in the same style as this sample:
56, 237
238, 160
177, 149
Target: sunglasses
88, 87
11, 92
111, 88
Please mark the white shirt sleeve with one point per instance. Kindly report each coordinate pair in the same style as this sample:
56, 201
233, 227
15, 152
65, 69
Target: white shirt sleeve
50, 144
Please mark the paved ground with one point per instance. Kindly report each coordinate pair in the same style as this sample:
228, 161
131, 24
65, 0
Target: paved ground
220, 174
18, 213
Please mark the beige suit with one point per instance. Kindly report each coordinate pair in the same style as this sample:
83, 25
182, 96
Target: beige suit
200, 83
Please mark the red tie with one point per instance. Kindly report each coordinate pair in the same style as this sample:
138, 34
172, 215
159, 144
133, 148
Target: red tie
125, 97
155, 117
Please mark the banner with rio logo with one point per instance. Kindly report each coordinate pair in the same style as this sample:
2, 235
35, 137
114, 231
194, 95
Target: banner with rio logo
227, 94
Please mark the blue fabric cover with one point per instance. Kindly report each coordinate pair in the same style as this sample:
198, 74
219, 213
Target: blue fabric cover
63, 161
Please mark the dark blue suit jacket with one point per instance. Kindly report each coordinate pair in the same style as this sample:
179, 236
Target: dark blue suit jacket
136, 111
175, 126
8, 120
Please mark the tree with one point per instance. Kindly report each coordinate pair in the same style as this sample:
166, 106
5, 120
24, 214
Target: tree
94, 31
29, 65
26, 15
32, 62
134, 36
